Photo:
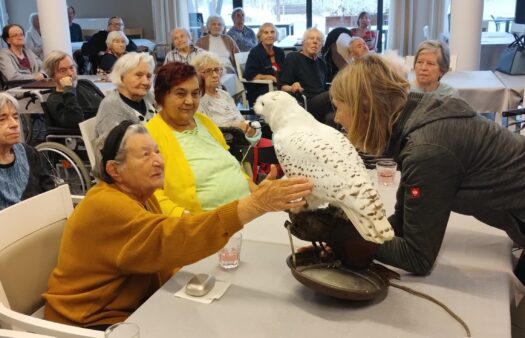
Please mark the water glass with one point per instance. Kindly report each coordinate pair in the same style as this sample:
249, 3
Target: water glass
386, 172
122, 330
230, 255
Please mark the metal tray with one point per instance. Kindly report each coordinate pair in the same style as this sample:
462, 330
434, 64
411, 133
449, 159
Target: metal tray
330, 277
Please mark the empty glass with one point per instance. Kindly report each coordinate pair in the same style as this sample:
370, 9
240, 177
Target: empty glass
122, 330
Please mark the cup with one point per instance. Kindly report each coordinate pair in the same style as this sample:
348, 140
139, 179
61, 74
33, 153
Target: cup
230, 255
122, 330
386, 173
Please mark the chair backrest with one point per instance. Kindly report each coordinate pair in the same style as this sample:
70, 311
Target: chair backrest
39, 326
31, 233
20, 334
87, 129
409, 61
240, 61
134, 33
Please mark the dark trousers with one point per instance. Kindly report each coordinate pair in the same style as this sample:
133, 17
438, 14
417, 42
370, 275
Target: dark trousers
321, 107
519, 269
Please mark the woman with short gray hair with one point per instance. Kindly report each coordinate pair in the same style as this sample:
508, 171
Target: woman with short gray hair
431, 62
116, 42
219, 43
132, 99
22, 170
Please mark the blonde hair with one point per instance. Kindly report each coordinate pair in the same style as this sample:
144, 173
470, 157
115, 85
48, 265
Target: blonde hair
263, 26
375, 95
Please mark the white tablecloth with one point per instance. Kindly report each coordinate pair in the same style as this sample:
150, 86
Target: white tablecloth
471, 276
516, 86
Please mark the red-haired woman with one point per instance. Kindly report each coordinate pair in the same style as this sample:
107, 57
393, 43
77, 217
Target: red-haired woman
200, 173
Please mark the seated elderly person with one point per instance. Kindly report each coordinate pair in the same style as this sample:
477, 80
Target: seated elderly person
200, 172
33, 36
216, 103
131, 100
431, 62
264, 62
72, 101
363, 31
243, 35
116, 42
137, 247
22, 170
16, 61
351, 48
96, 46
183, 48
306, 73
217, 42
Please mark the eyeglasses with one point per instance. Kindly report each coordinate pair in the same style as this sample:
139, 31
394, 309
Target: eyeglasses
210, 71
15, 35
120, 24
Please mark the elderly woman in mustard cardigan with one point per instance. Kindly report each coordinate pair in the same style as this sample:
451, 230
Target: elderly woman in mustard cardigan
200, 172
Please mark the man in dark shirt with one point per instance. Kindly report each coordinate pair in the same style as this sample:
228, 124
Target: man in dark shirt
305, 72
75, 31
71, 101
95, 47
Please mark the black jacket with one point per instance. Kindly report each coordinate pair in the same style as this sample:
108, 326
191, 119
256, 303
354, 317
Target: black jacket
451, 159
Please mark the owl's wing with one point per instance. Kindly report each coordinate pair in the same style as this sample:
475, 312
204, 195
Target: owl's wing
333, 165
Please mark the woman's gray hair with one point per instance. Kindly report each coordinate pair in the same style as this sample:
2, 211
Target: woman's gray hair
204, 58
100, 171
214, 17
115, 35
52, 60
263, 26
8, 99
127, 63
440, 49
313, 29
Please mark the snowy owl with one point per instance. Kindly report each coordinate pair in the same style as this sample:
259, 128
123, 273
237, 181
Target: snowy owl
309, 148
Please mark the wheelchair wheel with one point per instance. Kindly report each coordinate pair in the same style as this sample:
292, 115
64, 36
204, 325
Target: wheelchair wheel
65, 167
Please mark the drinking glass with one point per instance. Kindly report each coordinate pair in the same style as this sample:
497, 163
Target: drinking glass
386, 173
122, 330
230, 255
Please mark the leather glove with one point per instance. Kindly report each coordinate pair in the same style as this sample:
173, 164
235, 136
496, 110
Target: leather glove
330, 225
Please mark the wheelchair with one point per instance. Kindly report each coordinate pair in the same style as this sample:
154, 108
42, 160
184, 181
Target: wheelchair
63, 150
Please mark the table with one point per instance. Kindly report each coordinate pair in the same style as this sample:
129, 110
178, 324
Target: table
516, 87
471, 276
481, 89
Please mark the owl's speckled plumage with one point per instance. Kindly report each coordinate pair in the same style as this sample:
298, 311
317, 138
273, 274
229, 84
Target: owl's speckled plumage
309, 148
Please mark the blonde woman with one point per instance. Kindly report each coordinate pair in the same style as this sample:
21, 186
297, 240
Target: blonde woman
451, 159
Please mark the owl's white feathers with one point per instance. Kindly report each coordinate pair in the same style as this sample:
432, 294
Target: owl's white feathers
309, 148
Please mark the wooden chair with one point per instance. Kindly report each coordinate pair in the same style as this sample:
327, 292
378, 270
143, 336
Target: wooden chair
88, 33
29, 245
134, 33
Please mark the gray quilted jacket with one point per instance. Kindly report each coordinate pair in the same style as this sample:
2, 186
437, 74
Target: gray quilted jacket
451, 159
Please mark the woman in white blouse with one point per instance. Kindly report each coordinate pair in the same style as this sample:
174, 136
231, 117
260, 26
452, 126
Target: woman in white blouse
216, 103
219, 43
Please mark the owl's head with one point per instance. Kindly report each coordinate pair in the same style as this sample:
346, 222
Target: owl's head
278, 108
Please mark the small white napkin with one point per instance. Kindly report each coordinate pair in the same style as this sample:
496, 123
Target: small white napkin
218, 290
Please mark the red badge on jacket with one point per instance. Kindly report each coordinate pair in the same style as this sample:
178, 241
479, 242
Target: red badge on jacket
415, 192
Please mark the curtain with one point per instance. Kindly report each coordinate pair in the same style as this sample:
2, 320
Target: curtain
168, 15
407, 19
